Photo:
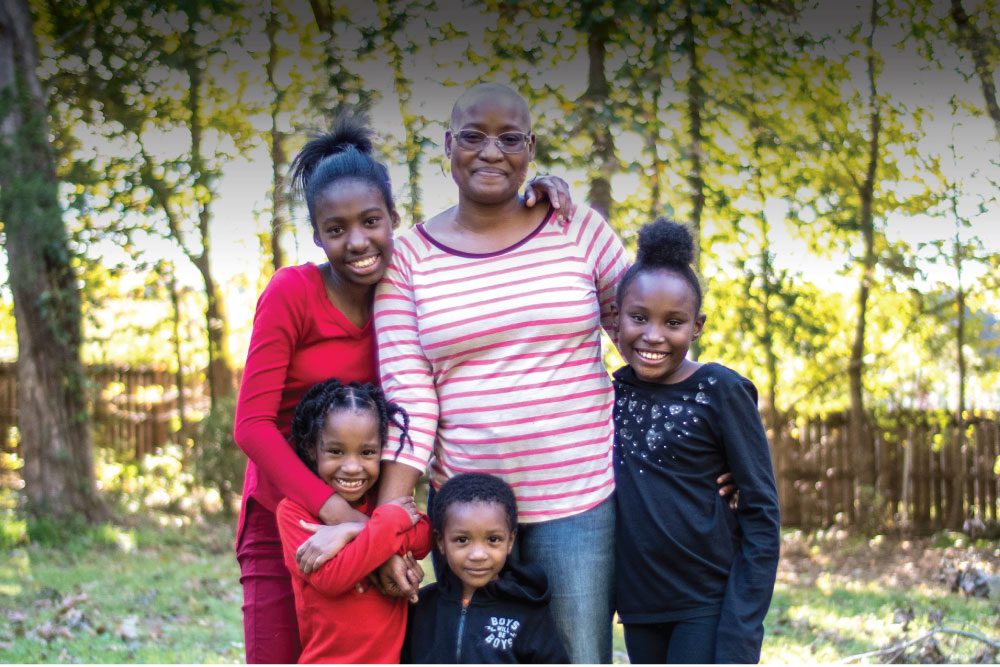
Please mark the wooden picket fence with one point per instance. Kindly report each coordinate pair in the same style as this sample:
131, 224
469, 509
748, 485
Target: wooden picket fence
918, 456
135, 410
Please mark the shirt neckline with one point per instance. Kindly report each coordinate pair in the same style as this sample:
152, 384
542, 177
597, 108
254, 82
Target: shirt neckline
342, 319
627, 374
478, 255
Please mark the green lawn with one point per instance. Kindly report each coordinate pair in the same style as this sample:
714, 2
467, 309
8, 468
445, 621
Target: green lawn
171, 594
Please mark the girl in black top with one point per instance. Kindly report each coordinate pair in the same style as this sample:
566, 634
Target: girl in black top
694, 578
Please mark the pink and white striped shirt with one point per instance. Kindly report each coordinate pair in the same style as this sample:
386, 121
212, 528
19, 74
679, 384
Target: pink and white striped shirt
497, 359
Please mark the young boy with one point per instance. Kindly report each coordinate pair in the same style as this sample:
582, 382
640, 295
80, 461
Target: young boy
486, 608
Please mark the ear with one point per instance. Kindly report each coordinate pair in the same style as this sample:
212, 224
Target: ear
531, 146
447, 144
394, 215
513, 537
614, 315
699, 324
439, 541
316, 239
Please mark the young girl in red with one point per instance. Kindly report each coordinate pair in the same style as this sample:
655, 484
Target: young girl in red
338, 431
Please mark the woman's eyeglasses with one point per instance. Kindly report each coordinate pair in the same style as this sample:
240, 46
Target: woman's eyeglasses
507, 142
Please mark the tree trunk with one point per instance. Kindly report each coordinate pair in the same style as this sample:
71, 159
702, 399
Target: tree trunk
956, 483
221, 378
860, 436
769, 289
413, 147
175, 302
652, 145
695, 108
595, 99
979, 43
279, 160
52, 409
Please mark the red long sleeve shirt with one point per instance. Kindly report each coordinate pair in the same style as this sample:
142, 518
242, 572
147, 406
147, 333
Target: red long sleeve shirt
299, 339
337, 624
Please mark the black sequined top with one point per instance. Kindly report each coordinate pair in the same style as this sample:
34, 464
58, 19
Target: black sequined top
681, 552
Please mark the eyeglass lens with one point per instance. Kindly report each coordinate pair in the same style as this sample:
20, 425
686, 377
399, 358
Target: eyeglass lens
508, 142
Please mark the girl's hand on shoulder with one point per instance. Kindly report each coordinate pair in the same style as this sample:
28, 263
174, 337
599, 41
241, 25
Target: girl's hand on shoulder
727, 489
325, 543
407, 503
556, 190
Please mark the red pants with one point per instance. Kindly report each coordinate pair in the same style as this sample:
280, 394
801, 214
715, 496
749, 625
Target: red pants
271, 634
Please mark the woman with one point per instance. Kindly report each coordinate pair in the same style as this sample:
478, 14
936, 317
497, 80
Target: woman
488, 324
313, 323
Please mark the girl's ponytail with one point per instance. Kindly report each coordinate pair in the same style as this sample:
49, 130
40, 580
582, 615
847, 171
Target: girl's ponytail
345, 152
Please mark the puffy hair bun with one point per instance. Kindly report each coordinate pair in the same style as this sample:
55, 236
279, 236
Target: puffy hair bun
348, 131
665, 243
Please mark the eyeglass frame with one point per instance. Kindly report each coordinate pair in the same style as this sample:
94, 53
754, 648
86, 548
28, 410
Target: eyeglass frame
528, 136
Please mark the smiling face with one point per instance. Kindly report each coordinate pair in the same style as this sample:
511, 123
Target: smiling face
347, 453
476, 541
490, 176
354, 228
657, 320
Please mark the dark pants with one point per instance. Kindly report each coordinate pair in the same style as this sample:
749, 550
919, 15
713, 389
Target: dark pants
680, 642
271, 634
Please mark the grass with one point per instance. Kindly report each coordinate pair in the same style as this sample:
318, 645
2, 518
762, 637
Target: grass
141, 595
170, 594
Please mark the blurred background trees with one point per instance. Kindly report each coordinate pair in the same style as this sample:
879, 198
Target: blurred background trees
838, 162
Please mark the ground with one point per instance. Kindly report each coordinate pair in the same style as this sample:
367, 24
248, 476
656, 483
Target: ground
166, 593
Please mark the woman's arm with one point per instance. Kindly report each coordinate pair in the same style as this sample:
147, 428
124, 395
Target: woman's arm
407, 379
555, 190
751, 578
276, 331
606, 257
406, 375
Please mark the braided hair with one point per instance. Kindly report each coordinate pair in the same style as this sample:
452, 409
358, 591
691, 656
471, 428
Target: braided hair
343, 153
332, 396
473, 487
664, 245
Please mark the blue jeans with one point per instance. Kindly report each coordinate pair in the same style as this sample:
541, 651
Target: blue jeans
578, 555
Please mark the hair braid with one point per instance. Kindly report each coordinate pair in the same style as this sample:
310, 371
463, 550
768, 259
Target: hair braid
333, 395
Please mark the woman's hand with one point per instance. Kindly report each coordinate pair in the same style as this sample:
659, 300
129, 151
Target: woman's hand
727, 489
399, 577
406, 502
324, 544
556, 190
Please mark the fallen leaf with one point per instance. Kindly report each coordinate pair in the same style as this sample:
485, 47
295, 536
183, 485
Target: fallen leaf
128, 629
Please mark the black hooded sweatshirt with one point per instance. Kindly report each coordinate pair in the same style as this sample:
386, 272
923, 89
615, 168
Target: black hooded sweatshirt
507, 621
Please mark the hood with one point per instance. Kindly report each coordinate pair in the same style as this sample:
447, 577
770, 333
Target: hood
517, 581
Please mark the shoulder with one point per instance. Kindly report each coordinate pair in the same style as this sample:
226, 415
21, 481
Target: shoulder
727, 380
427, 598
288, 277
292, 283
290, 511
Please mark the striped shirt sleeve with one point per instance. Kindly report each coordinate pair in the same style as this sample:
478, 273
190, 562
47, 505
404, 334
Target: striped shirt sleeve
406, 373
606, 256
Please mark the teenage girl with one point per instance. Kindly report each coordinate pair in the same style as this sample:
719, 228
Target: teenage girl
694, 579
313, 322
338, 432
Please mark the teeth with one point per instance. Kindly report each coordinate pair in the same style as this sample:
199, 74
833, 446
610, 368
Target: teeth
351, 483
652, 356
364, 263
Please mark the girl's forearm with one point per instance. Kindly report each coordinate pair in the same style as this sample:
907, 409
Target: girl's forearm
396, 480
336, 510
